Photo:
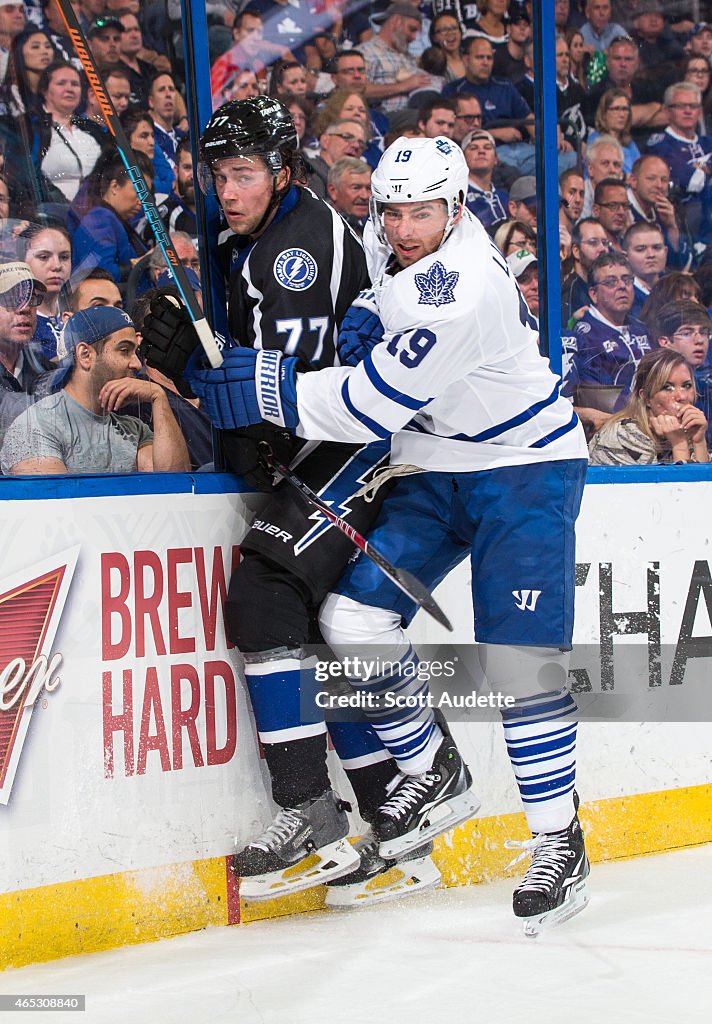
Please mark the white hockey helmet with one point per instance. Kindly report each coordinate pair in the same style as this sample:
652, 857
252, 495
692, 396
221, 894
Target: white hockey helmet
416, 170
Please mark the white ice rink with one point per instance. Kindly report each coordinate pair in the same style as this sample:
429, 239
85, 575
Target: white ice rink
641, 953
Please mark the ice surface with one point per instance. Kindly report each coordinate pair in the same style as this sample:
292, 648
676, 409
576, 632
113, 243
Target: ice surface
641, 953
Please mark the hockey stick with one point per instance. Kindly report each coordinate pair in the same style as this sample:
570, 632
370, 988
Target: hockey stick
406, 582
403, 579
177, 271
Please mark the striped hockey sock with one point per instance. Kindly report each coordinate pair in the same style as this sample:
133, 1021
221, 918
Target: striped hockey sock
290, 726
406, 727
540, 733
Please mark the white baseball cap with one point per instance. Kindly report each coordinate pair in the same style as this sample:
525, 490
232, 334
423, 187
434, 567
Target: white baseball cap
18, 286
520, 260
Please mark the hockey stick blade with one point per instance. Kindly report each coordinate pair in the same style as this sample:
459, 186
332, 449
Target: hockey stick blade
111, 118
403, 579
409, 584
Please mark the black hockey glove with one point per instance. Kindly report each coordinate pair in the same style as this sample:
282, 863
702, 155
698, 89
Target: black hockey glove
244, 452
168, 339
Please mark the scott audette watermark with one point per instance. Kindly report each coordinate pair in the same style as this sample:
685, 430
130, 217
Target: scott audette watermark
379, 702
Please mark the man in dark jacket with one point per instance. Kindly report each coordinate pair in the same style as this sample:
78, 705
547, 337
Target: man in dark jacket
25, 374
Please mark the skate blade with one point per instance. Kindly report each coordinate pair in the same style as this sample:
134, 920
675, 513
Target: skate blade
440, 819
419, 876
329, 862
577, 901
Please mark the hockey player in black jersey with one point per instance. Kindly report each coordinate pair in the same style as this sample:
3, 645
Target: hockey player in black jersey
293, 269
454, 377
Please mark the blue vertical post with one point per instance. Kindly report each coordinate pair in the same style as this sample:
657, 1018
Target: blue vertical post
547, 181
199, 104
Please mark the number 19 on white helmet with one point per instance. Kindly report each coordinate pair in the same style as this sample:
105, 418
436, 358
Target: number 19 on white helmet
418, 170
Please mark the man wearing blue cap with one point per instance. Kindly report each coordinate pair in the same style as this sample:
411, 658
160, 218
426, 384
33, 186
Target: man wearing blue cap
79, 429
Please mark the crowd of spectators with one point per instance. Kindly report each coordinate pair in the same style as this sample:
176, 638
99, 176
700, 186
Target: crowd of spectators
634, 108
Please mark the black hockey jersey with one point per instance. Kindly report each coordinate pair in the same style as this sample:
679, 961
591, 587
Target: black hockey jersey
290, 288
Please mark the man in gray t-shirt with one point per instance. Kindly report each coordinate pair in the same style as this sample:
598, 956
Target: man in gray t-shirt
60, 429
78, 429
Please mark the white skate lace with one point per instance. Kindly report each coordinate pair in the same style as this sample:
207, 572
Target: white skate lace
283, 828
408, 794
549, 852
382, 476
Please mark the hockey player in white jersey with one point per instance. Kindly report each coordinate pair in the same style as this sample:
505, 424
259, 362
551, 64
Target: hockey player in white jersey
493, 462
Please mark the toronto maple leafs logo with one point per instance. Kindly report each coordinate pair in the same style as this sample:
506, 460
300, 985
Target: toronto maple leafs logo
436, 285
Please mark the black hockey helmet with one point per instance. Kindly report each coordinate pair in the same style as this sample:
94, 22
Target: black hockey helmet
259, 126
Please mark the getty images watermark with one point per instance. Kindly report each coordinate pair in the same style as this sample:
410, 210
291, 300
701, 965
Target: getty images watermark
366, 670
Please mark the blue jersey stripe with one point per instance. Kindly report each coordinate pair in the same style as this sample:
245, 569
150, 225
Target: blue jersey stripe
374, 427
514, 421
556, 434
385, 389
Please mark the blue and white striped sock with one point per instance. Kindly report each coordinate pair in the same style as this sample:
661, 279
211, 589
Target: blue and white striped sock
357, 745
409, 733
540, 733
282, 691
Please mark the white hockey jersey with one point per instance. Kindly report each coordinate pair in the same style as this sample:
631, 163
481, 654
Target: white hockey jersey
458, 379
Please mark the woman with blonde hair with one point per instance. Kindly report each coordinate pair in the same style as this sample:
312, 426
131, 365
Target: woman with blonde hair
344, 105
513, 235
660, 423
340, 105
614, 117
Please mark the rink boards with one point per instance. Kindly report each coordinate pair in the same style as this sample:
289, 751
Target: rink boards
128, 762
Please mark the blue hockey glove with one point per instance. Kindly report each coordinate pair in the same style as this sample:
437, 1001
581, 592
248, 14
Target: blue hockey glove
361, 329
249, 387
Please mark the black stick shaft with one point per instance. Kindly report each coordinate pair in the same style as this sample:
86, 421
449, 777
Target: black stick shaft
403, 579
177, 271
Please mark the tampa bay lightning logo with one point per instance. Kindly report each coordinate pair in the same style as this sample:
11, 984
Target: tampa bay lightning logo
436, 285
295, 269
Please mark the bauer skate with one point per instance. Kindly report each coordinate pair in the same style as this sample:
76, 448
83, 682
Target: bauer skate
554, 888
376, 880
304, 846
426, 805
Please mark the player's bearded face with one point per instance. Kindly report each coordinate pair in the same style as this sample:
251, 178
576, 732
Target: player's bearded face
414, 230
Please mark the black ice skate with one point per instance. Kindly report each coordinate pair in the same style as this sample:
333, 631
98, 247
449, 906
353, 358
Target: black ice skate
554, 887
424, 806
304, 846
376, 880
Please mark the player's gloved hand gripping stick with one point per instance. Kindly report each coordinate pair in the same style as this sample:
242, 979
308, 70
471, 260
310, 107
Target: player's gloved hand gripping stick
205, 334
